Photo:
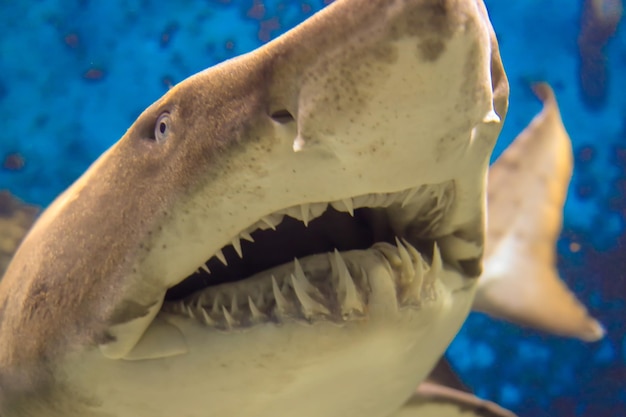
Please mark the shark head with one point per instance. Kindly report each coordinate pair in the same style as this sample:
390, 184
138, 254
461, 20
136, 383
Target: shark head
272, 231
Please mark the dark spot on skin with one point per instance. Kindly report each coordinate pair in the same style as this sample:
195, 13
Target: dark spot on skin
433, 17
471, 267
430, 49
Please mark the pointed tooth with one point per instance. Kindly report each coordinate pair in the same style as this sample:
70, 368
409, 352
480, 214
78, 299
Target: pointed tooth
351, 301
217, 304
349, 205
304, 213
246, 236
343, 274
230, 321
407, 271
420, 266
410, 196
220, 255
281, 302
413, 292
340, 269
256, 313
234, 307
418, 281
412, 251
310, 307
436, 265
237, 245
299, 272
207, 319
205, 268
268, 222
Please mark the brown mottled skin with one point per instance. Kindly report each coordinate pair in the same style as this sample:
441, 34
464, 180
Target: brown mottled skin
91, 239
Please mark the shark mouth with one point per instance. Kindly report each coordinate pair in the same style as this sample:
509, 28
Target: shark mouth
311, 262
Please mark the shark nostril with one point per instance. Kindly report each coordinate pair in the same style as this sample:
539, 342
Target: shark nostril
282, 116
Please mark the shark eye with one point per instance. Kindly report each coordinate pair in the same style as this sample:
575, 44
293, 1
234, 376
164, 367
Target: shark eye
162, 127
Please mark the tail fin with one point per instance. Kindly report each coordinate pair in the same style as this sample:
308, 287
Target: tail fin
526, 192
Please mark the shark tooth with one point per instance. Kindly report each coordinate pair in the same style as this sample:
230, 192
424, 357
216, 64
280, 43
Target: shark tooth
237, 246
420, 266
299, 272
256, 313
207, 318
413, 292
407, 270
349, 206
435, 270
281, 302
217, 303
266, 220
436, 265
310, 307
350, 300
246, 236
230, 321
234, 307
205, 268
220, 255
304, 214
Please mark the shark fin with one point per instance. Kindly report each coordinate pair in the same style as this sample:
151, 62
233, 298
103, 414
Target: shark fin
526, 193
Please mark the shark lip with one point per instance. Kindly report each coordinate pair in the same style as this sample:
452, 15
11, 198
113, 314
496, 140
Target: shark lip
307, 262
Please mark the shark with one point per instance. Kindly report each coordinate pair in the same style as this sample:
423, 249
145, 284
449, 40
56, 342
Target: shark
299, 230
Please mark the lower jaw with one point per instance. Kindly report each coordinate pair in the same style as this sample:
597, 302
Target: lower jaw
329, 287
366, 367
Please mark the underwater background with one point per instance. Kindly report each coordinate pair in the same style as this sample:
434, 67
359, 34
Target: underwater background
75, 74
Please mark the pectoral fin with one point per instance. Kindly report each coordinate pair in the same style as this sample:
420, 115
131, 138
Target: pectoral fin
526, 193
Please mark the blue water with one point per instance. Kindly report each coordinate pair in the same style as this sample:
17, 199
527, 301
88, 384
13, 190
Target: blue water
74, 76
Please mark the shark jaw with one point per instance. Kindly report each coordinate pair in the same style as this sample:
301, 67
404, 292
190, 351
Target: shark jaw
306, 335
359, 299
